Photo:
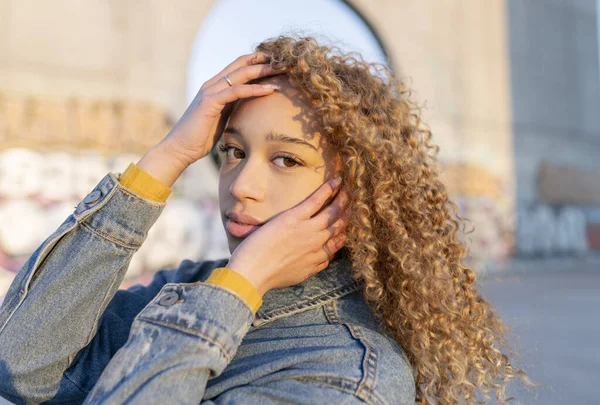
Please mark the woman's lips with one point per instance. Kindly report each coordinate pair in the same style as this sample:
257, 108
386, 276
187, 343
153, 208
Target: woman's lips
238, 229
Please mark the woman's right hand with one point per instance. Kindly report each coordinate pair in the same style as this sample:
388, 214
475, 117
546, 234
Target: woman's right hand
295, 244
200, 127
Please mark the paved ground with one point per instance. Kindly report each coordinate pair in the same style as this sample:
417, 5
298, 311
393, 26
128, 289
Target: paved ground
556, 318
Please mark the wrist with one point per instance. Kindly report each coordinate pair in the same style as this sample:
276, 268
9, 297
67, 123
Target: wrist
162, 164
170, 146
251, 275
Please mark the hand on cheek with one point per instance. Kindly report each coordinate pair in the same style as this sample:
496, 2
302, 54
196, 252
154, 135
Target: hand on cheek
296, 244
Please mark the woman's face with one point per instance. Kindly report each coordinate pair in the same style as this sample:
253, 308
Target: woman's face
273, 157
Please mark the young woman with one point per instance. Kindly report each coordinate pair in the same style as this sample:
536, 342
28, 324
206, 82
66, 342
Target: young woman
357, 297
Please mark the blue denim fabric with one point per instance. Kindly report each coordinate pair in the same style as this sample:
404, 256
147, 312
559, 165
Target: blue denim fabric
68, 335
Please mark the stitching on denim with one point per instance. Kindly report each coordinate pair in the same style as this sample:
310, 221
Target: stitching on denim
331, 313
110, 238
309, 303
369, 361
10, 307
370, 357
168, 287
43, 250
138, 197
220, 288
192, 332
325, 380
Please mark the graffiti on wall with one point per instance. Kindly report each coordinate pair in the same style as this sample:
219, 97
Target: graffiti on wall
52, 153
485, 202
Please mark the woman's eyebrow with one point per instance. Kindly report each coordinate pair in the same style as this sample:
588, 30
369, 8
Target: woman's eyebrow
274, 137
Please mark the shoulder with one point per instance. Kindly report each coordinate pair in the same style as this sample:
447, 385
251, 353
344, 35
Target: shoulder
334, 345
393, 379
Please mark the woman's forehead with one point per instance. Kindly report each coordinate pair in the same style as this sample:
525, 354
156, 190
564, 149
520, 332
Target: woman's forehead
283, 110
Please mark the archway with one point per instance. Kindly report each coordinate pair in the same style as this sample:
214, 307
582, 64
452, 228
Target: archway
233, 27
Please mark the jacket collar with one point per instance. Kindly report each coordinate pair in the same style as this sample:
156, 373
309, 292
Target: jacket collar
331, 283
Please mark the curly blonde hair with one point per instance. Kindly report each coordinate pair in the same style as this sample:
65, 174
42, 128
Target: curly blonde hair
403, 232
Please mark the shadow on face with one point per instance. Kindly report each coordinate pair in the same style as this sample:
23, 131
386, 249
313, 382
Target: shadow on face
272, 157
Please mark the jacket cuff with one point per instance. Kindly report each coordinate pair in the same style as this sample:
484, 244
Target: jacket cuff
140, 182
205, 310
118, 214
238, 284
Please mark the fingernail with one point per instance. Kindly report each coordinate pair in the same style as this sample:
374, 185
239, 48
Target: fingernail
336, 182
272, 86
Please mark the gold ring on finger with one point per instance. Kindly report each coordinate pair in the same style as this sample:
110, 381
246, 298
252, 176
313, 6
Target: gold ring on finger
228, 81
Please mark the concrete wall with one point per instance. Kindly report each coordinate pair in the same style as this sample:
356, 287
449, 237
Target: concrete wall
556, 124
455, 54
555, 88
101, 49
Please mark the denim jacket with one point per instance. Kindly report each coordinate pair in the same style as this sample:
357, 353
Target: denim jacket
69, 335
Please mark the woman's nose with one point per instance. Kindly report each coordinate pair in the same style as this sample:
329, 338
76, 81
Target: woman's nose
248, 183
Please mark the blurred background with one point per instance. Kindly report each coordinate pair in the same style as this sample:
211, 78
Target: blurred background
510, 89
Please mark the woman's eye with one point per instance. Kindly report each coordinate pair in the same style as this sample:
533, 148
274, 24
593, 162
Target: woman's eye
287, 162
235, 153
231, 152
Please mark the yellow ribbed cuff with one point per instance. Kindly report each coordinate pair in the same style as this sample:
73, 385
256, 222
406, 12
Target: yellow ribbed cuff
143, 184
237, 283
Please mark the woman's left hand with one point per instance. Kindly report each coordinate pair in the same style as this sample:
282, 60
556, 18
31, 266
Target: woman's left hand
294, 245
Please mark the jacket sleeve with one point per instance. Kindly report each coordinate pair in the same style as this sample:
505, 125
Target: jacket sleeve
186, 335
142, 183
52, 308
174, 349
